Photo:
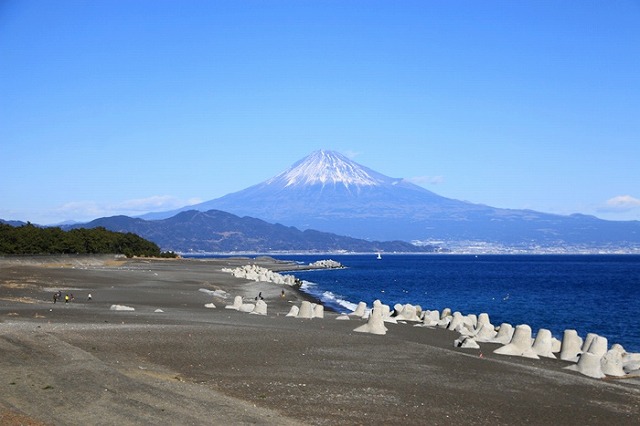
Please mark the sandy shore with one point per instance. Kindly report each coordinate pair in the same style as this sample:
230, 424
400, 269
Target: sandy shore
82, 363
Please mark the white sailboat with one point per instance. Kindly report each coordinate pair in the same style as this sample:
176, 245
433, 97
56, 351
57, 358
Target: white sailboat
379, 256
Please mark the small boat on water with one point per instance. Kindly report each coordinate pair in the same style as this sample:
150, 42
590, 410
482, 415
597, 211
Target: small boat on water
379, 256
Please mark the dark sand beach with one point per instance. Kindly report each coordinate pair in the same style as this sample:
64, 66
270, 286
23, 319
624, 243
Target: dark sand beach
81, 363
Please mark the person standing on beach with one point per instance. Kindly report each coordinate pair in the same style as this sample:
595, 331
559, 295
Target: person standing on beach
89, 297
55, 297
66, 298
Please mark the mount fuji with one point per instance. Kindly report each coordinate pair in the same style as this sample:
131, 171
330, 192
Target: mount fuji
328, 192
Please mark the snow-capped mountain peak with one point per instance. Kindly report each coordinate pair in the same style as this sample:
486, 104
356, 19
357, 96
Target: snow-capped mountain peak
328, 167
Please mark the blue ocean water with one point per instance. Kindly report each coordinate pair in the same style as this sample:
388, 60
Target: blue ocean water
589, 293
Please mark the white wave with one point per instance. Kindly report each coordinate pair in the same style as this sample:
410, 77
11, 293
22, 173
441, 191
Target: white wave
330, 297
327, 298
307, 285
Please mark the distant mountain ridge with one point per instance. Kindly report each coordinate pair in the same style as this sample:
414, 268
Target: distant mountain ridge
217, 231
13, 222
329, 192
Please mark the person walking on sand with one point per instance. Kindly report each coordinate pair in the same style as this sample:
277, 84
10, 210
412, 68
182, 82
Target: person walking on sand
89, 297
66, 298
55, 297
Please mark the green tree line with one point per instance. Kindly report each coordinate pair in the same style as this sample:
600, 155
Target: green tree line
30, 239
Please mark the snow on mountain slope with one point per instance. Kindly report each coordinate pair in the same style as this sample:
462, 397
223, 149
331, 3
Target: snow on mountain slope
326, 167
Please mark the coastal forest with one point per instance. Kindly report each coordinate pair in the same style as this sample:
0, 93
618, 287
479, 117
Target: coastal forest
33, 240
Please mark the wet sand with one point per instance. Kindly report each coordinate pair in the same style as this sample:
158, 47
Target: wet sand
82, 363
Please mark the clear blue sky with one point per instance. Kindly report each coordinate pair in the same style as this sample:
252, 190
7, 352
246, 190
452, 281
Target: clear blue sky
122, 107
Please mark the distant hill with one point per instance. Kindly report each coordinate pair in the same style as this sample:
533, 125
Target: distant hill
217, 231
328, 192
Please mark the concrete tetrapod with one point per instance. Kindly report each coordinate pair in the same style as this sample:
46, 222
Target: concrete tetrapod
630, 361
471, 321
486, 333
611, 362
247, 307
360, 310
375, 324
385, 310
543, 345
505, 334
589, 365
406, 312
318, 311
430, 318
520, 344
465, 342
456, 320
306, 310
483, 318
587, 342
571, 346
445, 318
468, 326
260, 308
237, 302
598, 346
121, 308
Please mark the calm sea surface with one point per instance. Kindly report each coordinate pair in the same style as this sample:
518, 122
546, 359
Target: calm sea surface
588, 293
